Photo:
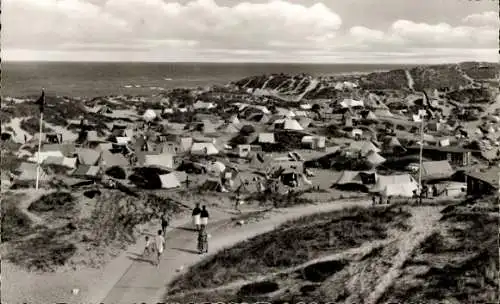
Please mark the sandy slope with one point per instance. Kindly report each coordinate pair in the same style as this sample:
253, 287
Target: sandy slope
144, 283
15, 124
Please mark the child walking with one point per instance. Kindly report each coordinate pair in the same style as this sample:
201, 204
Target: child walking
147, 247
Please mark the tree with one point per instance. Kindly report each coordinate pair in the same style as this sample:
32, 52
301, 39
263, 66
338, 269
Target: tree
247, 130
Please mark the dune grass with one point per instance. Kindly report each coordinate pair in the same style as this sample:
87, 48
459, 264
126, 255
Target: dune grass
291, 244
15, 223
461, 261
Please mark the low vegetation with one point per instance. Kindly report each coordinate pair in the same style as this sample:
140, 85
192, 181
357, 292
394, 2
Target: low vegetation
291, 244
15, 223
458, 263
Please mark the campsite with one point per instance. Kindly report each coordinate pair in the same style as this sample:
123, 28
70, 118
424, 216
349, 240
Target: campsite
393, 169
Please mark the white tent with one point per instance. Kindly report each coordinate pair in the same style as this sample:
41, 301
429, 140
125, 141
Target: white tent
216, 167
204, 148
374, 158
169, 181
371, 116
164, 160
45, 154
289, 124
149, 115
351, 103
395, 185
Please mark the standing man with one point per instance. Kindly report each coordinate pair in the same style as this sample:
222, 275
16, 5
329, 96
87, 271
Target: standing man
196, 216
204, 217
164, 222
160, 245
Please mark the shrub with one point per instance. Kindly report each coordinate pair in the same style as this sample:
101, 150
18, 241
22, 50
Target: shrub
117, 172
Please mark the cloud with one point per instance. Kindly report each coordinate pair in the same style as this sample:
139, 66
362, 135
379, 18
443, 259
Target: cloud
484, 19
245, 25
164, 29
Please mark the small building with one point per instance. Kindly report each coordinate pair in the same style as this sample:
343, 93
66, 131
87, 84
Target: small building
244, 151
457, 156
314, 142
483, 182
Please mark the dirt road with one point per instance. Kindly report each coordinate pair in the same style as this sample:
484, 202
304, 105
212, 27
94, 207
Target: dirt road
143, 282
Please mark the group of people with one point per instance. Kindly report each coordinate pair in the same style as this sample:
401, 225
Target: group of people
158, 244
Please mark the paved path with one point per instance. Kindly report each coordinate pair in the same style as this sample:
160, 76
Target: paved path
143, 282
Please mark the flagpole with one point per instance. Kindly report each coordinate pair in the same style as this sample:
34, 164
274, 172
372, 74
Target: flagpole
421, 153
39, 146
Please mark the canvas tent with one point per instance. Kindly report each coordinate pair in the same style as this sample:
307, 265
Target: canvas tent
204, 148
288, 124
213, 185
61, 161
169, 181
88, 156
163, 160
109, 159
44, 155
395, 185
374, 159
350, 177
28, 172
433, 170
351, 103
266, 138
364, 147
86, 171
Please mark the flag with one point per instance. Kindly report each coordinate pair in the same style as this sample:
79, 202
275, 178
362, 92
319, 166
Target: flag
41, 101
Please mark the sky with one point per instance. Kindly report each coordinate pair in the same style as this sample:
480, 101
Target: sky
302, 31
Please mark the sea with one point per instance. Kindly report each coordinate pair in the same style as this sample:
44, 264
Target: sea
92, 79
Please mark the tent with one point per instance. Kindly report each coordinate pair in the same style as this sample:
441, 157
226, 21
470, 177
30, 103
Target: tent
149, 115
234, 120
28, 172
204, 148
351, 103
212, 185
266, 138
62, 161
169, 181
164, 160
86, 171
216, 167
46, 154
288, 124
374, 158
371, 116
395, 185
432, 170
364, 147
349, 177
88, 156
109, 159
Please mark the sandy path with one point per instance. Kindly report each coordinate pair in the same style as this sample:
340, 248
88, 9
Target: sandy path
66, 134
143, 282
423, 222
15, 124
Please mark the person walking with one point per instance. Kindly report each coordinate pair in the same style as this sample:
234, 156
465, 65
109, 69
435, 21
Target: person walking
160, 245
196, 216
164, 223
202, 240
373, 200
204, 217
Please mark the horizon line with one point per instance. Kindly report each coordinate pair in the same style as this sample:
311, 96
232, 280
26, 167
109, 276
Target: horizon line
243, 62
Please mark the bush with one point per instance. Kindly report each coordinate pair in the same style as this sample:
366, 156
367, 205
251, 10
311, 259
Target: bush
117, 172
15, 223
58, 201
247, 130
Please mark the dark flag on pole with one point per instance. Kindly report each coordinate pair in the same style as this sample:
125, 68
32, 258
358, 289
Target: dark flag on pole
41, 101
